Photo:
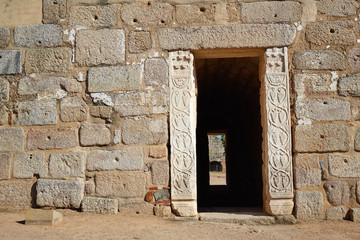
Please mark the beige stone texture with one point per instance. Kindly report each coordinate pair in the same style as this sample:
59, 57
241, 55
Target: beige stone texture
309, 205
53, 138
162, 211
156, 72
16, 193
11, 139
139, 41
307, 170
101, 111
344, 166
4, 37
158, 151
93, 16
133, 206
35, 112
20, 12
44, 35
53, 11
349, 86
28, 165
4, 90
42, 217
64, 165
278, 207
358, 192
160, 170
353, 58
335, 214
133, 103
195, 14
337, 192
357, 140
29, 86
233, 12
338, 8
3, 115
319, 60
312, 84
99, 205
184, 209
94, 134
5, 166
73, 109
354, 214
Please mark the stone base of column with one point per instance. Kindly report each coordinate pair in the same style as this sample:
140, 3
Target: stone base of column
185, 208
278, 207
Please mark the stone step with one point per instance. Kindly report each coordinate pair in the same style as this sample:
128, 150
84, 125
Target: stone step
238, 218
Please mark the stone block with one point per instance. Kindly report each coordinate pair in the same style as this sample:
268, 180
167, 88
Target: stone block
337, 192
307, 170
185, 209
130, 158
42, 217
144, 130
160, 102
135, 206
120, 184
59, 193
336, 214
4, 90
93, 16
73, 109
313, 84
103, 79
156, 72
133, 103
158, 151
337, 8
323, 109
94, 134
15, 193
4, 115
90, 187
142, 15
27, 165
270, 12
309, 205
278, 207
233, 12
10, 62
101, 111
195, 14
35, 112
160, 172
341, 165
328, 137
29, 86
54, 138
45, 35
11, 139
162, 194
49, 60
99, 205
358, 192
117, 136
102, 98
319, 60
95, 47
5, 165
53, 11
139, 41
4, 37
162, 211
349, 86
354, 214
331, 33
354, 59
63, 165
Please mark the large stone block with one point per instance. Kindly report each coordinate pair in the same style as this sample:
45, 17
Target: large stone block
337, 8
10, 62
331, 33
54, 138
4, 115
319, 60
329, 137
93, 16
160, 172
354, 59
57, 60
133, 206
313, 84
226, 36
270, 12
4, 37
120, 184
156, 72
59, 193
62, 165
73, 109
343, 166
94, 134
53, 11
349, 86
11, 139
27, 165
144, 130
45, 35
118, 78
158, 151
95, 47
337, 192
35, 112
309, 205
15, 193
130, 158
5, 165
99, 205
133, 103
29, 86
4, 90
139, 41
307, 170
196, 14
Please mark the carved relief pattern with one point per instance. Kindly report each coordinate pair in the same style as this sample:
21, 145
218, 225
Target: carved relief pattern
280, 177
182, 129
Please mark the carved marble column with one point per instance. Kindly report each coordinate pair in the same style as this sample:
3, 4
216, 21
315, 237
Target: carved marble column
182, 133
278, 157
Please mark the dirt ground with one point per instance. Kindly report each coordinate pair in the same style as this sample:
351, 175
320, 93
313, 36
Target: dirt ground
217, 178
80, 226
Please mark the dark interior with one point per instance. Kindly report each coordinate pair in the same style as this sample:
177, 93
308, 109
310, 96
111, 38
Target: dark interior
229, 102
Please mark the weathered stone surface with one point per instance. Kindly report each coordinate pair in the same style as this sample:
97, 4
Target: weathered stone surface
184, 208
354, 59
10, 62
158, 151
118, 78
329, 137
93, 16
99, 205
54, 138
309, 205
117, 136
278, 207
16, 193
334, 214
135, 206
140, 15
5, 165
62, 165
156, 72
4, 37
195, 14
133, 103
11, 139
28, 86
162, 211
94, 134
144, 130
269, 12
354, 214
101, 111
53, 11
35, 112
130, 158
226, 36
4, 90
27, 165
313, 84
341, 165
358, 192
337, 8
307, 170
94, 47
120, 184
162, 194
349, 86
45, 35
73, 109
160, 172
57, 60
59, 193
357, 141
323, 109
139, 41
102, 98
160, 102
42, 217
337, 192
319, 60
4, 116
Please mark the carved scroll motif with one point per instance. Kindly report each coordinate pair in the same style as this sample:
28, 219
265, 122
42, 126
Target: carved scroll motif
280, 177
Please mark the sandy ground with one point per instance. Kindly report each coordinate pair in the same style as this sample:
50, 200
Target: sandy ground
79, 226
217, 178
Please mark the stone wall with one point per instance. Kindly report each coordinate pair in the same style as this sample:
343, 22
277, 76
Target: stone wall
216, 151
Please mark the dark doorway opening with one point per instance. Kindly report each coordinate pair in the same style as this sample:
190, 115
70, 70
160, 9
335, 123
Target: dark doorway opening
229, 102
